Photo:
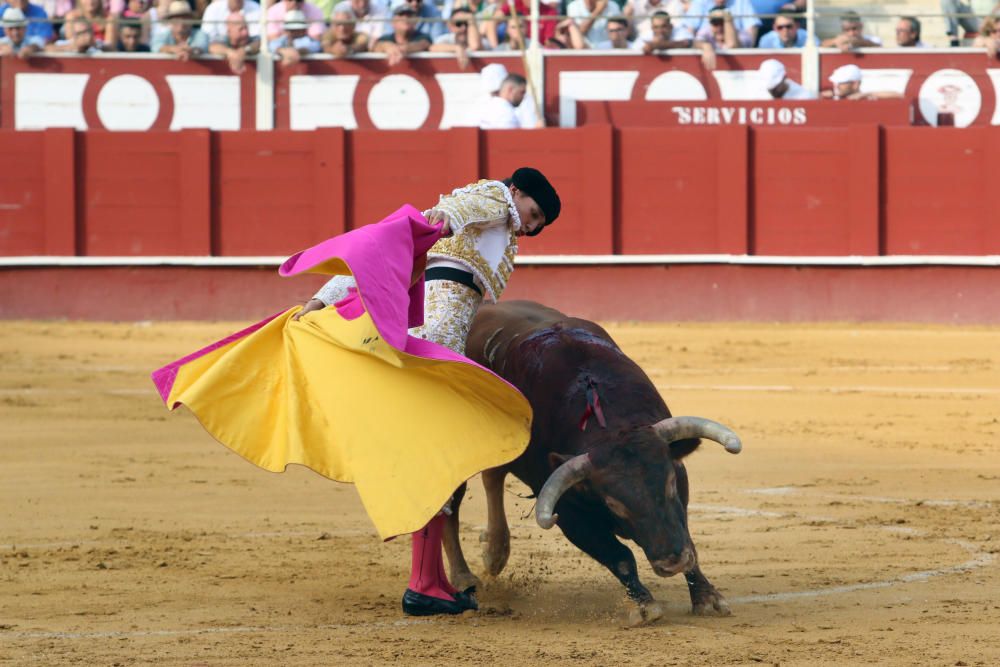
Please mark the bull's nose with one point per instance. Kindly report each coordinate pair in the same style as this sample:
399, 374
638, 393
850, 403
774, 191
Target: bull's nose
668, 567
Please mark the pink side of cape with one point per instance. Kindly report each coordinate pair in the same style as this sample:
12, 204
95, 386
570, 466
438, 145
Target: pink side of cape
381, 257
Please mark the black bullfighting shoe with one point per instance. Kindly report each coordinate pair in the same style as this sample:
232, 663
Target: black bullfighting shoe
467, 598
418, 604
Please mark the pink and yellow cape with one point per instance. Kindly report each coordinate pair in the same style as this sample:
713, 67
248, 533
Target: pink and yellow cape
348, 393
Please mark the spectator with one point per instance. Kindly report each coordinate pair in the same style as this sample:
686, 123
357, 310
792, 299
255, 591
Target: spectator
295, 41
779, 85
492, 77
372, 17
498, 112
426, 10
786, 35
463, 36
35, 17
640, 13
846, 82
667, 36
342, 39
181, 39
546, 29
908, 33
592, 17
56, 10
236, 43
404, 38
851, 34
130, 39
566, 35
968, 23
483, 9
15, 40
141, 13
276, 18
92, 12
617, 35
215, 20
766, 9
989, 36
720, 31
746, 21
82, 41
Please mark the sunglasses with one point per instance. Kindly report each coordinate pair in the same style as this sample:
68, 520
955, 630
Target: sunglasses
787, 26
460, 24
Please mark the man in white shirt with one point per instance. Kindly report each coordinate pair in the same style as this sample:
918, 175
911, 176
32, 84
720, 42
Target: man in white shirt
373, 17
779, 85
617, 36
213, 21
499, 111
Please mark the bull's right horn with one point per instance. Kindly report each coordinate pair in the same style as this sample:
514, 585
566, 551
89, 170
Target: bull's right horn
562, 478
682, 428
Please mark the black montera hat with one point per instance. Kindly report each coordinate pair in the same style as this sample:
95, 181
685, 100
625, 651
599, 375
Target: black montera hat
534, 184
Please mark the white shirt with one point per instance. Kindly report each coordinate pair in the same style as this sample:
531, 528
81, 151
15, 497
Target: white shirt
608, 46
599, 29
213, 21
796, 92
497, 113
375, 24
527, 116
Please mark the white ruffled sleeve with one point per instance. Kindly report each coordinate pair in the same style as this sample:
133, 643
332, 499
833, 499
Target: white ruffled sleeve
335, 289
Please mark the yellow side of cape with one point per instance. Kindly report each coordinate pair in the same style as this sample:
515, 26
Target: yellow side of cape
330, 394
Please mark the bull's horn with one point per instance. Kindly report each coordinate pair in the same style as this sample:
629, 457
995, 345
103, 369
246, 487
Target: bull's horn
562, 478
681, 428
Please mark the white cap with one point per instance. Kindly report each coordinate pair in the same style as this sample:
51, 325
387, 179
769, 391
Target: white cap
772, 72
845, 74
491, 77
296, 20
14, 17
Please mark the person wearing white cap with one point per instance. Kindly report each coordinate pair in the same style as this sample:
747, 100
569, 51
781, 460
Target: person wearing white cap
494, 114
846, 81
15, 40
294, 41
779, 85
35, 18
498, 111
181, 40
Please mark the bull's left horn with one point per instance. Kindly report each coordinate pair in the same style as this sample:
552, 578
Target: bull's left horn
562, 478
681, 428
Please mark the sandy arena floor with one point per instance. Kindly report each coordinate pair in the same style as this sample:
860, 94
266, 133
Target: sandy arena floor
861, 523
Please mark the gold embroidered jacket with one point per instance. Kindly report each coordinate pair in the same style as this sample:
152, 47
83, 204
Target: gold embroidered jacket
483, 220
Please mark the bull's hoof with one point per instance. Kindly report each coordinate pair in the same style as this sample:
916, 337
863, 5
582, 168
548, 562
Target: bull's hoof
496, 551
465, 580
711, 604
644, 614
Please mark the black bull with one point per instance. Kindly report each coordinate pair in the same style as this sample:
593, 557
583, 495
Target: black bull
624, 479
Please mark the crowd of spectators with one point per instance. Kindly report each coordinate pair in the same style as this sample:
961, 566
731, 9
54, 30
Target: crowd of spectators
397, 28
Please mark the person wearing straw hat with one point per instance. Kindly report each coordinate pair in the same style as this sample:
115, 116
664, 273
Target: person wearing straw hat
181, 40
15, 40
294, 42
35, 18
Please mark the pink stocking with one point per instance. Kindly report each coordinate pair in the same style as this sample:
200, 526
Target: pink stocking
427, 569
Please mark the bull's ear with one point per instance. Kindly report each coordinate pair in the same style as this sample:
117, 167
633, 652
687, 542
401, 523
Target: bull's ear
681, 448
556, 459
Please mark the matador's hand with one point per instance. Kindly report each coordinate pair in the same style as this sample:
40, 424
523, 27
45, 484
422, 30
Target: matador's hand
437, 216
311, 305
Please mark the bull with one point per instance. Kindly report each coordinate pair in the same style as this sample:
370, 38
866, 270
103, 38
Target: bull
605, 459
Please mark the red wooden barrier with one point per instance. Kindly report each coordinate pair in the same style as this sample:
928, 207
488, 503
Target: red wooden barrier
581, 165
939, 197
815, 191
386, 169
277, 192
37, 193
682, 190
734, 190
